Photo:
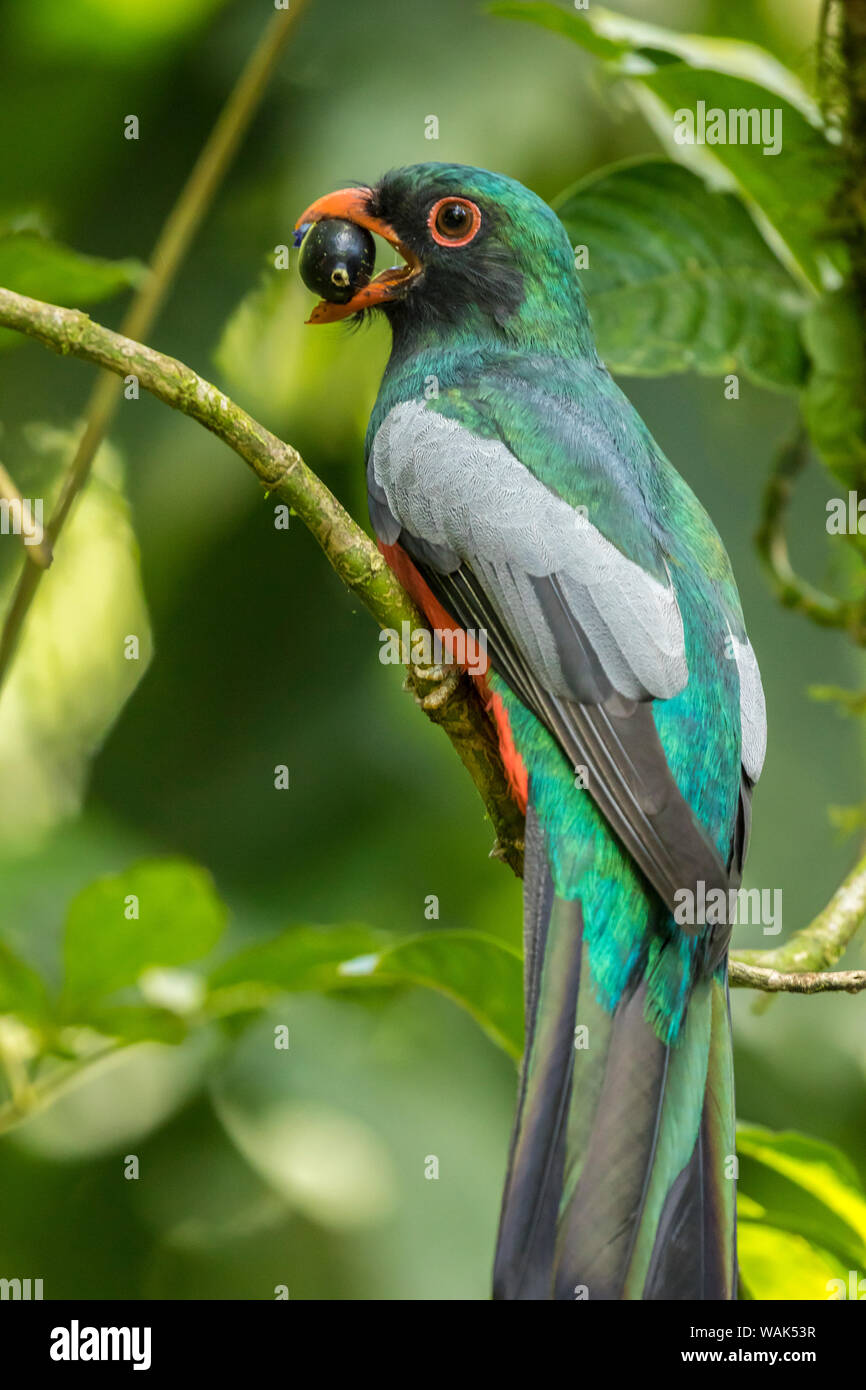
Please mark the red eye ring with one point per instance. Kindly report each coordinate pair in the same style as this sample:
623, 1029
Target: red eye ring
441, 237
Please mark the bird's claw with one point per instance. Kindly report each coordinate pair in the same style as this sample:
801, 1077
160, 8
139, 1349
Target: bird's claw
444, 681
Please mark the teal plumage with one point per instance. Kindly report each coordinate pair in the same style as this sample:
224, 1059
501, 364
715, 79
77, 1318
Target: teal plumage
515, 486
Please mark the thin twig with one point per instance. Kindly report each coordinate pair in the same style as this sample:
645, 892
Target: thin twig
801, 965
810, 982
772, 543
57, 1082
171, 247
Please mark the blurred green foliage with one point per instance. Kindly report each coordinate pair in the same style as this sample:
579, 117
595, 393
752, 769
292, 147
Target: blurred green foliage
304, 1113
680, 279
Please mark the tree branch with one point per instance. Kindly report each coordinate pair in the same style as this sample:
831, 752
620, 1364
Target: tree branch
447, 698
778, 982
798, 965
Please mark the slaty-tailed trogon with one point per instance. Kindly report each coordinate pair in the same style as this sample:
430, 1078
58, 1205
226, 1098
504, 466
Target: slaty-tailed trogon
516, 491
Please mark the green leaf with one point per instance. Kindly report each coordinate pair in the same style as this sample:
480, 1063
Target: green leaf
777, 1264
679, 278
790, 192
667, 72
74, 667
301, 958
22, 991
805, 1187
35, 265
133, 1023
588, 34
481, 974
624, 40
180, 918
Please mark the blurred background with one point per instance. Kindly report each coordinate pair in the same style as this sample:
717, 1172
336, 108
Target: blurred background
307, 1169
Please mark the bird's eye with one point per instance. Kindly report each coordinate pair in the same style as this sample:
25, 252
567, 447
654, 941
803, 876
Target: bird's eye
454, 221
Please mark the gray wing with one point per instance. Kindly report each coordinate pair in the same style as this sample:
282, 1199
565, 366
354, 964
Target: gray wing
586, 638
547, 570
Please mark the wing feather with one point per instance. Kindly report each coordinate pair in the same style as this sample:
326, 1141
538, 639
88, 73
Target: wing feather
586, 638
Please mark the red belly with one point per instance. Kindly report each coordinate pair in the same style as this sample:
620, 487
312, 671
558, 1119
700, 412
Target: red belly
439, 619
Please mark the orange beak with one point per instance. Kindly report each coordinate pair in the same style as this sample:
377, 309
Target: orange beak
351, 205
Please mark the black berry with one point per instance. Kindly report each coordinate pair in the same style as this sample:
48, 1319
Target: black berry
337, 259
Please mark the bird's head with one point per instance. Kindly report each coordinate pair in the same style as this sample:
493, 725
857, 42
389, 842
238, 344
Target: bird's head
481, 254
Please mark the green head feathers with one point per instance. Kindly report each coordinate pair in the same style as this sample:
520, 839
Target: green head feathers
494, 260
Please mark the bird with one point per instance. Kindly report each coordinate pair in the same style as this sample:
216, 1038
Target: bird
516, 492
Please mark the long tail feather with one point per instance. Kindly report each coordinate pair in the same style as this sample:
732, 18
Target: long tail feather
600, 1226
527, 1229
620, 1181
694, 1250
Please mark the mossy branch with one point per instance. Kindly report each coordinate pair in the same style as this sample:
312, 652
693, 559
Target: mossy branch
800, 966
803, 982
448, 699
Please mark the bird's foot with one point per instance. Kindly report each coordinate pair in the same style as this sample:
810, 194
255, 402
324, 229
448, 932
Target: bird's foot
442, 679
